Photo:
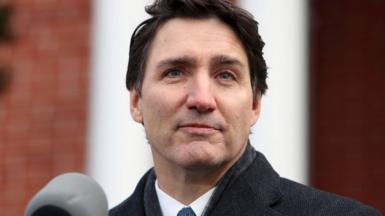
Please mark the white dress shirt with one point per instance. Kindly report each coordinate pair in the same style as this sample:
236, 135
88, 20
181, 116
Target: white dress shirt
171, 206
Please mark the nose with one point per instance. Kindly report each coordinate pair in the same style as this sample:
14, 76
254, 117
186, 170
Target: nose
201, 96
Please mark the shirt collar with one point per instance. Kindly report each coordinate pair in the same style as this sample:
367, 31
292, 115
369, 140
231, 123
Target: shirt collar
171, 206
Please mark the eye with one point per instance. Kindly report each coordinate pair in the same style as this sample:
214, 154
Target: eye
226, 75
174, 72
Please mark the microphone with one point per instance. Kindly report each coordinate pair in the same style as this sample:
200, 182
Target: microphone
70, 194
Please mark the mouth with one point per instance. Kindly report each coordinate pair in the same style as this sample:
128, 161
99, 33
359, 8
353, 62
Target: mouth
198, 129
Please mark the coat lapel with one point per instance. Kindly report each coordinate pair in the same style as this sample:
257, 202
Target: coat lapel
241, 200
251, 188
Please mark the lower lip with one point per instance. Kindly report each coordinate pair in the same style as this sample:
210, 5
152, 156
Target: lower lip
198, 130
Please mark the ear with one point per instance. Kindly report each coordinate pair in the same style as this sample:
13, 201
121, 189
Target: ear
256, 109
135, 106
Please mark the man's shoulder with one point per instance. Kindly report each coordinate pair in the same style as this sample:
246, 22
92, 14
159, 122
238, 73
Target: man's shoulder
287, 197
311, 201
124, 208
134, 204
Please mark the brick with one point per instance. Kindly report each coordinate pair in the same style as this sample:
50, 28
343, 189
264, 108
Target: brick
42, 115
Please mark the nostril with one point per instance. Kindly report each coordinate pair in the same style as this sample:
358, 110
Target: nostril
203, 109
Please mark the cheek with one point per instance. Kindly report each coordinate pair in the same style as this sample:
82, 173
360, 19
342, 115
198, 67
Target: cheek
240, 117
156, 109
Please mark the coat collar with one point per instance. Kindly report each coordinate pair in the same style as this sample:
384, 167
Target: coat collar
250, 186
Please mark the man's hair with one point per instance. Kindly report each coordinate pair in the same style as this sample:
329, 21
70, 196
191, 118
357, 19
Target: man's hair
239, 20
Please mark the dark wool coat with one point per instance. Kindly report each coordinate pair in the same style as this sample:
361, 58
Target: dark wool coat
251, 187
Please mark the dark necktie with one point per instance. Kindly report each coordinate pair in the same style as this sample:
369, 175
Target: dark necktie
186, 212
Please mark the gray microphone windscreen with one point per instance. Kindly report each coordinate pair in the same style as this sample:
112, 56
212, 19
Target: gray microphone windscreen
70, 194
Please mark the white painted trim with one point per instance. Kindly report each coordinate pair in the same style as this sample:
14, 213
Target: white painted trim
118, 154
281, 132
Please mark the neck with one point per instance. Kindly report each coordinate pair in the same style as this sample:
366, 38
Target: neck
186, 186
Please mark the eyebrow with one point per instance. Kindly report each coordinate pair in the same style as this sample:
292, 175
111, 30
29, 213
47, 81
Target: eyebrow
226, 60
191, 61
183, 60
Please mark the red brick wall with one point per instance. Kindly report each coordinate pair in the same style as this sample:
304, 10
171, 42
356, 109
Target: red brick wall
348, 98
43, 111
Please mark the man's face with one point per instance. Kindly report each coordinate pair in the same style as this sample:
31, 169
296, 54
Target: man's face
196, 103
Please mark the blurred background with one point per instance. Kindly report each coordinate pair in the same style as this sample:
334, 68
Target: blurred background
64, 106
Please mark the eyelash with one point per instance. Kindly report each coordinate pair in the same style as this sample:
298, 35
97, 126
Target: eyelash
231, 75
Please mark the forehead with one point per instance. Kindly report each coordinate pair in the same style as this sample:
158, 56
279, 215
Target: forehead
198, 38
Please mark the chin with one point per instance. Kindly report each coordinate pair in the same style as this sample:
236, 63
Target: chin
201, 162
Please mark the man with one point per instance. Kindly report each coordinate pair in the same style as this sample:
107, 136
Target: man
196, 75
